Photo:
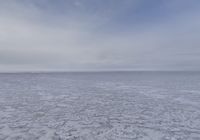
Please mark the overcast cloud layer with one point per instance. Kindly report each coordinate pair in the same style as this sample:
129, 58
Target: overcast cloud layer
99, 35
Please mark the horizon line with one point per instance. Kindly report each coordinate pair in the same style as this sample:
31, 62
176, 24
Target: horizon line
91, 71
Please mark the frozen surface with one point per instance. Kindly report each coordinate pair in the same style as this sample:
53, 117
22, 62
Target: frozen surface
100, 106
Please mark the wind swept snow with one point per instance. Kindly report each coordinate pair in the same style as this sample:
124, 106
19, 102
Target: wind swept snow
100, 106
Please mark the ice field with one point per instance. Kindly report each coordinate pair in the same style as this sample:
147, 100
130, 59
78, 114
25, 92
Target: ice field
100, 106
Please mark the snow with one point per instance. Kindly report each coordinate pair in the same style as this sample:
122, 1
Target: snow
100, 106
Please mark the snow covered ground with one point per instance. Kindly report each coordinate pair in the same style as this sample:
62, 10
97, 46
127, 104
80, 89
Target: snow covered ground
100, 106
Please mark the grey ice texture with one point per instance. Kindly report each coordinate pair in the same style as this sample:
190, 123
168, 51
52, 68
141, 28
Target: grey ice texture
100, 106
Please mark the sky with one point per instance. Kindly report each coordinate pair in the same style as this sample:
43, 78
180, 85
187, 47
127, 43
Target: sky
79, 35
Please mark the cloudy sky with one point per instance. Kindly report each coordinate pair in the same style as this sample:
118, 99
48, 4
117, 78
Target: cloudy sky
37, 35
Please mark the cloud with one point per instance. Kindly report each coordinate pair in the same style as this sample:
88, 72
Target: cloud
39, 35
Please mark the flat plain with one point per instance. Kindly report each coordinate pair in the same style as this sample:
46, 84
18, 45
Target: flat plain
100, 106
